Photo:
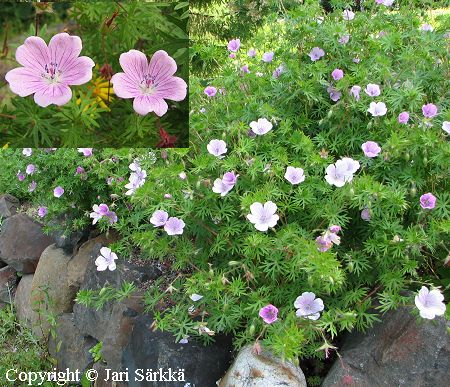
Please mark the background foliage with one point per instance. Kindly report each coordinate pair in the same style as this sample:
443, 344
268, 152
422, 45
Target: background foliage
107, 29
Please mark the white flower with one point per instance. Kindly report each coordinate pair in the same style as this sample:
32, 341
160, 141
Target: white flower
106, 260
263, 216
430, 303
221, 188
195, 297
159, 218
294, 175
217, 147
260, 127
341, 172
446, 127
377, 109
348, 15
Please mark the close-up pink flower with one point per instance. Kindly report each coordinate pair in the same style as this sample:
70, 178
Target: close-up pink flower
48, 71
149, 84
269, 314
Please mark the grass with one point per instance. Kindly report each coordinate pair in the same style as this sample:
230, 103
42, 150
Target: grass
19, 348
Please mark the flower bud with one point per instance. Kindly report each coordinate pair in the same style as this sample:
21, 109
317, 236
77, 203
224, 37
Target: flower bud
233, 263
252, 329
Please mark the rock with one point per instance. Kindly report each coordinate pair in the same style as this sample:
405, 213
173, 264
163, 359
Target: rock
399, 351
88, 252
69, 347
65, 238
8, 281
50, 290
264, 370
202, 365
102, 380
22, 243
8, 205
24, 309
112, 324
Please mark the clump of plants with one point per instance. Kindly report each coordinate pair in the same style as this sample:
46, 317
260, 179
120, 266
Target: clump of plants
314, 196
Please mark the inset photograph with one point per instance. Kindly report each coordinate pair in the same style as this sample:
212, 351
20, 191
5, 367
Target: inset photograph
103, 74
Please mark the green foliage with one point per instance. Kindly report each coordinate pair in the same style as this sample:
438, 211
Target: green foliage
220, 254
96, 352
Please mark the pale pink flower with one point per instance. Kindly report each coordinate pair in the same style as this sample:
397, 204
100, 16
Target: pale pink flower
377, 109
106, 260
260, 127
58, 192
446, 127
263, 216
294, 175
233, 45
87, 152
48, 71
269, 314
174, 226
27, 152
372, 90
159, 218
428, 201
403, 117
371, 149
217, 147
150, 84
348, 15
308, 306
316, 53
429, 110
430, 303
30, 169
42, 211
337, 74
354, 91
32, 186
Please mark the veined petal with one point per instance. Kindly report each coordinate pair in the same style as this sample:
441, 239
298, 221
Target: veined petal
135, 64
53, 94
161, 66
64, 50
24, 81
124, 86
33, 53
145, 104
173, 88
79, 71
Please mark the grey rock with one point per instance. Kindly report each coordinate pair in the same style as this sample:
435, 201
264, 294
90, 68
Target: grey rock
49, 288
263, 370
69, 347
149, 349
8, 205
113, 323
22, 243
8, 284
25, 311
399, 351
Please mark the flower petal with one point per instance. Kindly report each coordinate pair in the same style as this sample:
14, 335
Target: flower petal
64, 50
161, 66
135, 65
33, 53
79, 71
145, 104
173, 88
53, 94
24, 81
124, 87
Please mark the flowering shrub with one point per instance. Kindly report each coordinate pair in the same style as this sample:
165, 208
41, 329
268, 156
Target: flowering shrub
311, 200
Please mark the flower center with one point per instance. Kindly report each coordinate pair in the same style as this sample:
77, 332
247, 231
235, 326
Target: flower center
52, 74
148, 84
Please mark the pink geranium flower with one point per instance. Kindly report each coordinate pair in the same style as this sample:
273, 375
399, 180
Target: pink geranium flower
428, 201
269, 314
371, 149
48, 71
150, 84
